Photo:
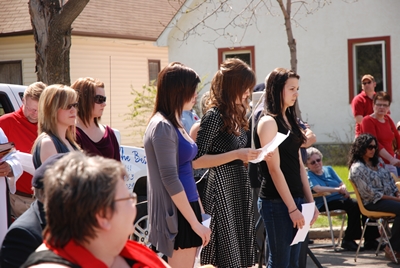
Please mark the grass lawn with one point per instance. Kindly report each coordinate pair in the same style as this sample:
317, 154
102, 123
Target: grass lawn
322, 221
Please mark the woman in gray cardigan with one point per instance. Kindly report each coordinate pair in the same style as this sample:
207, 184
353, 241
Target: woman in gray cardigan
173, 205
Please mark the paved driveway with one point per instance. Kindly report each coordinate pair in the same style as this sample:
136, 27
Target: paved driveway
329, 258
366, 259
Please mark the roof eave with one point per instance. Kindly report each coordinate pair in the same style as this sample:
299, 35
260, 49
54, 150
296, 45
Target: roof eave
162, 40
120, 36
19, 33
81, 33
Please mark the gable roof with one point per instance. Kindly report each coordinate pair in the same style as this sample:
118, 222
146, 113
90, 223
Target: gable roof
162, 39
132, 19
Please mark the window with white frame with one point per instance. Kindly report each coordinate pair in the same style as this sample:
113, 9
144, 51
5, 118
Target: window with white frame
246, 54
369, 56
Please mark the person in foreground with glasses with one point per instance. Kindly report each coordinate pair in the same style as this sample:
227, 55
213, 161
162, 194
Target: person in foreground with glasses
58, 107
93, 137
375, 185
380, 125
361, 104
90, 214
324, 179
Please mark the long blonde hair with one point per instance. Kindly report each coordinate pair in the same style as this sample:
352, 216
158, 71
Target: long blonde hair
55, 97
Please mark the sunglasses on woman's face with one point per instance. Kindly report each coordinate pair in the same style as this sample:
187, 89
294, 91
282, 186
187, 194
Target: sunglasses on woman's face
99, 99
312, 163
69, 106
372, 147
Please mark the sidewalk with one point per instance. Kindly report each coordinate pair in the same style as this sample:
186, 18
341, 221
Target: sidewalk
329, 258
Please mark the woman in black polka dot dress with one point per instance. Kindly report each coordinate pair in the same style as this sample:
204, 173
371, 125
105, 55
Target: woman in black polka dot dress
221, 140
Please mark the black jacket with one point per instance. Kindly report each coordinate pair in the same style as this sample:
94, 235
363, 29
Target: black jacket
23, 236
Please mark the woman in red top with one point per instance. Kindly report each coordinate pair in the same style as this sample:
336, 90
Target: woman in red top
93, 137
380, 125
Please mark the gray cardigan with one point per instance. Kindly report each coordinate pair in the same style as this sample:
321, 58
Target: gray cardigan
161, 147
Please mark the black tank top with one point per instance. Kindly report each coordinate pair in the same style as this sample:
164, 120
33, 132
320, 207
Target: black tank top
48, 256
289, 164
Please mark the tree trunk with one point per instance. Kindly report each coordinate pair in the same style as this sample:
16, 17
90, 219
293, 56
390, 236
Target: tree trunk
291, 42
51, 25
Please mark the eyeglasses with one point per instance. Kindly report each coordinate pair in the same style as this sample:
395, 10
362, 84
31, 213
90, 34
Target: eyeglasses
366, 83
315, 161
132, 196
99, 99
69, 106
382, 105
372, 147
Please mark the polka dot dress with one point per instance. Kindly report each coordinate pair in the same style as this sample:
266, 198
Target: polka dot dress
227, 198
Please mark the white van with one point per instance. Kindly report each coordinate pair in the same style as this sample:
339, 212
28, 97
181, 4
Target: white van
133, 158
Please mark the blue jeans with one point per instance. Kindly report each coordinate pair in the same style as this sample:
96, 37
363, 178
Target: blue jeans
280, 233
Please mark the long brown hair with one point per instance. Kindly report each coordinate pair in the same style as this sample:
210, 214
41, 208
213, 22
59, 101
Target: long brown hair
176, 85
230, 82
274, 85
86, 88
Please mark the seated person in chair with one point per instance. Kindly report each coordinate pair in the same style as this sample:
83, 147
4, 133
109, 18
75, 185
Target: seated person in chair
324, 179
375, 185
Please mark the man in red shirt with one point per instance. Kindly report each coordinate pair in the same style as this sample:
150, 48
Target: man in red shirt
362, 104
21, 128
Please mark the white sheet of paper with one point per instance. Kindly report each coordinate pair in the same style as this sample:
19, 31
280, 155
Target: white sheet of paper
269, 147
308, 213
206, 222
26, 162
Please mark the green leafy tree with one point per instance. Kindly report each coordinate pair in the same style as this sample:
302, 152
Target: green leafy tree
141, 108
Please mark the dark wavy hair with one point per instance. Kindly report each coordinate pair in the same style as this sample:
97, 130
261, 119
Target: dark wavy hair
359, 147
230, 82
274, 85
176, 85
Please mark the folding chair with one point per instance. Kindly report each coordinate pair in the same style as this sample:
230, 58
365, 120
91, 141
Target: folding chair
382, 220
328, 213
396, 180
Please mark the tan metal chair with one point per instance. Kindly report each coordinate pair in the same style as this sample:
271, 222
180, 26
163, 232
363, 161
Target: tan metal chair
396, 180
329, 213
382, 220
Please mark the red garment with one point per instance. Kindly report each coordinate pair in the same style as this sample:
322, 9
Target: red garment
108, 145
23, 133
361, 105
77, 254
384, 132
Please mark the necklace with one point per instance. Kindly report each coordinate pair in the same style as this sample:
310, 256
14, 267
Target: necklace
371, 166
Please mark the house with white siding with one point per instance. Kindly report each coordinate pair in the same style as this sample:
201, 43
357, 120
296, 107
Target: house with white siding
337, 42
112, 41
